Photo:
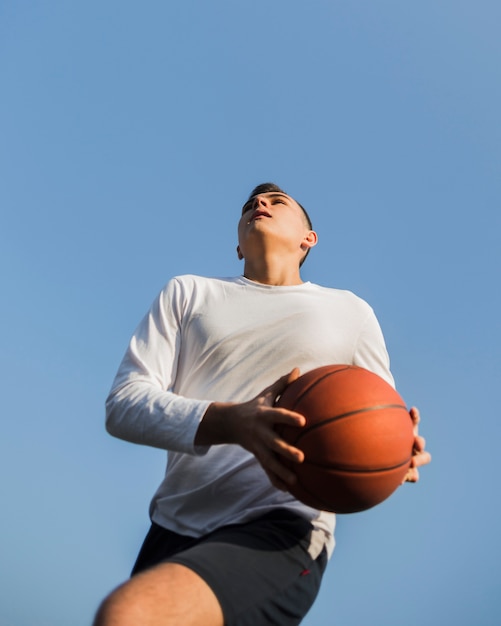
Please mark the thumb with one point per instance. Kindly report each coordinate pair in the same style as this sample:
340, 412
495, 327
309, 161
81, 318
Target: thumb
280, 385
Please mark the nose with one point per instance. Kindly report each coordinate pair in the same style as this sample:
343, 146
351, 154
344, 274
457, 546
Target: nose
260, 200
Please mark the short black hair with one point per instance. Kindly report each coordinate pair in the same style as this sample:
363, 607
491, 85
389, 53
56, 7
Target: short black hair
270, 188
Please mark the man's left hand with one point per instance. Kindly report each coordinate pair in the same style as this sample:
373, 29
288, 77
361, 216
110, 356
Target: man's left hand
420, 455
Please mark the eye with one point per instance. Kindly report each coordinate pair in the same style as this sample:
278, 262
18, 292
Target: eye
247, 206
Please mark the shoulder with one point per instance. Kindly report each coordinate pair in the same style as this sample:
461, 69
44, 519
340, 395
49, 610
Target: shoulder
190, 281
342, 297
189, 286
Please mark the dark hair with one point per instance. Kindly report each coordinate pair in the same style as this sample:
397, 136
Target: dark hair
271, 187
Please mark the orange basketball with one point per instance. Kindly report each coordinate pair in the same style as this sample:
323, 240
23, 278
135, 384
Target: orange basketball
357, 441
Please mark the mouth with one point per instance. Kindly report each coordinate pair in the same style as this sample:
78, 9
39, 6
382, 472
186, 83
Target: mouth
258, 214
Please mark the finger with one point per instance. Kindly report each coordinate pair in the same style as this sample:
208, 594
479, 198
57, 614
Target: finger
278, 483
293, 375
281, 478
284, 449
280, 475
280, 385
284, 417
421, 459
412, 476
416, 417
272, 438
419, 444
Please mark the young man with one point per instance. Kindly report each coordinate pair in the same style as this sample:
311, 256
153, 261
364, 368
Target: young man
228, 543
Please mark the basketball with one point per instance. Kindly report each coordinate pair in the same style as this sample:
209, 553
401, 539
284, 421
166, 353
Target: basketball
358, 438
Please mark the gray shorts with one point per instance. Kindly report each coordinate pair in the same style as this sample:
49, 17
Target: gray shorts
261, 571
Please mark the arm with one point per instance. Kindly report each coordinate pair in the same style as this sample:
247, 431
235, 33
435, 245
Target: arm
140, 407
371, 353
370, 350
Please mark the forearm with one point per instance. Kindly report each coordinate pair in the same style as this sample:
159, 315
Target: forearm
143, 414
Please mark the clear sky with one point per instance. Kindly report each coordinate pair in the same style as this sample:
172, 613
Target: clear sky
131, 134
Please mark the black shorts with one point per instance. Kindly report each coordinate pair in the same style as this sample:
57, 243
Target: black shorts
261, 571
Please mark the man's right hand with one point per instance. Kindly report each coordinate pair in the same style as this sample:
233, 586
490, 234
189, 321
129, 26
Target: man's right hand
252, 425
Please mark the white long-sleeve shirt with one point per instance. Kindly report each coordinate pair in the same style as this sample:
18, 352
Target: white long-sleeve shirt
226, 339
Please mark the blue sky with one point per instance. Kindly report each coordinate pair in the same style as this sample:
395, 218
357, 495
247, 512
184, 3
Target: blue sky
131, 134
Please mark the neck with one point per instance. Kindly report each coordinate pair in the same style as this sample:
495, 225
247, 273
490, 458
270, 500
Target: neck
276, 274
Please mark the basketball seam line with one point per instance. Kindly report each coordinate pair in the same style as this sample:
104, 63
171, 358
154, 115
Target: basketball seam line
348, 414
347, 468
318, 381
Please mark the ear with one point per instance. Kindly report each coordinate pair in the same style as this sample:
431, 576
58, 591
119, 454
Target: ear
310, 240
239, 253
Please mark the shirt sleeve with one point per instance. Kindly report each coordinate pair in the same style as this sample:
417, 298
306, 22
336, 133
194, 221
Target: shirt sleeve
370, 350
141, 406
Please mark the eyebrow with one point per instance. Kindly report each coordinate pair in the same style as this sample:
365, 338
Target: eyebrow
270, 194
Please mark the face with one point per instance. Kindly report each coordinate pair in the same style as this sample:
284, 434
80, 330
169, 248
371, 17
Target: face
276, 216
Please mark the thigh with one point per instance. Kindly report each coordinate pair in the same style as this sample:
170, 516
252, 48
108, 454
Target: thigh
168, 593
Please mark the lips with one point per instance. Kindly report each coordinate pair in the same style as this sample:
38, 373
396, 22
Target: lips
259, 213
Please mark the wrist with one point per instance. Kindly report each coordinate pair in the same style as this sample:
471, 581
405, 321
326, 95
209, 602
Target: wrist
215, 426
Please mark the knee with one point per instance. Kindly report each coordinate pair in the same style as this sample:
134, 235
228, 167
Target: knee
120, 608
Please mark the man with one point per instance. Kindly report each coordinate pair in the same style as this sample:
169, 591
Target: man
228, 543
